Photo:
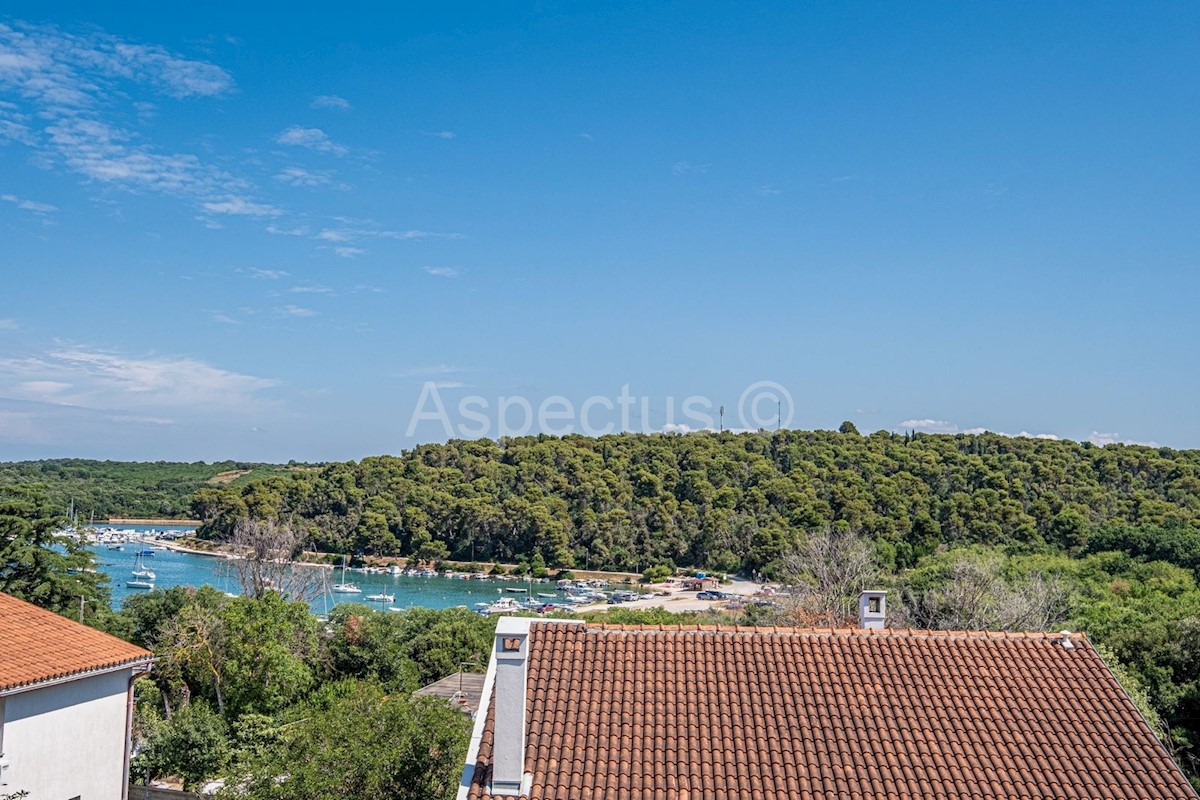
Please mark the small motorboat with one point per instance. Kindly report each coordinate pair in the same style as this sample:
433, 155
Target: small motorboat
382, 597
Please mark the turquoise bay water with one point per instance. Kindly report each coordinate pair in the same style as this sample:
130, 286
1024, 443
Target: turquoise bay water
174, 569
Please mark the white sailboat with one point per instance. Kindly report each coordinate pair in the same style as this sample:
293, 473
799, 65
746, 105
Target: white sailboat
140, 578
141, 571
344, 587
382, 597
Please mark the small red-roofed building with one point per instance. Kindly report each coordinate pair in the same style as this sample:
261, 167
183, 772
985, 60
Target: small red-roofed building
66, 705
580, 711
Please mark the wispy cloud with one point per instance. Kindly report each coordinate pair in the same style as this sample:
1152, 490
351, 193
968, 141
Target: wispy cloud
442, 272
311, 290
429, 371
9, 325
298, 176
330, 101
355, 231
767, 191
349, 237
311, 138
267, 274
439, 134
119, 383
240, 206
688, 168
299, 230
28, 205
298, 311
67, 87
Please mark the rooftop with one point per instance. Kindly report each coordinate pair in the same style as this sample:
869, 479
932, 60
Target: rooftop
463, 689
658, 712
38, 645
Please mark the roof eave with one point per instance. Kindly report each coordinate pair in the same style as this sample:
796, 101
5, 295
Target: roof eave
136, 663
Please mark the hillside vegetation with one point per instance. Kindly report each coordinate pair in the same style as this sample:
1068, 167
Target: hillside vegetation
159, 489
731, 501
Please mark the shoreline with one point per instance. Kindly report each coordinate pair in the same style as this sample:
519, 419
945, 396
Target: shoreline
678, 602
176, 523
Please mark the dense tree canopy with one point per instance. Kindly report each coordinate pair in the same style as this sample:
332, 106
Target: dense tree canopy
102, 489
723, 501
38, 563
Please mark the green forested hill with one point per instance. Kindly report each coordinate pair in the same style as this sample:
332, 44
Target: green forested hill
728, 501
126, 489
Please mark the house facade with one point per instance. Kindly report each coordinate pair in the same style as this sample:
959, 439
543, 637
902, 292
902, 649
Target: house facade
66, 706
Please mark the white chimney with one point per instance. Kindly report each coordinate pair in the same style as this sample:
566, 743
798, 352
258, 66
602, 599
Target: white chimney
508, 742
872, 609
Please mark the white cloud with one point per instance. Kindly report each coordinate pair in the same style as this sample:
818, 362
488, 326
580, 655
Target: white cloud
298, 311
676, 427
297, 176
68, 86
767, 191
9, 325
688, 168
311, 138
359, 231
29, 205
141, 419
440, 134
331, 101
349, 252
1103, 439
300, 230
267, 274
117, 383
311, 290
442, 272
929, 425
43, 388
240, 206
942, 426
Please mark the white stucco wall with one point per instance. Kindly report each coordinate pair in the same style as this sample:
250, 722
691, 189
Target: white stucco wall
67, 740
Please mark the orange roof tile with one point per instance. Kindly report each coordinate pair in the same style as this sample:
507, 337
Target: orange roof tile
37, 645
643, 713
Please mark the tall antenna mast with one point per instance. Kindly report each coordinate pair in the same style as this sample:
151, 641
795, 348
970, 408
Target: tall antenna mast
722, 419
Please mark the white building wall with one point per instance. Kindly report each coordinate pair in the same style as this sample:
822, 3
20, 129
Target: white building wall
68, 740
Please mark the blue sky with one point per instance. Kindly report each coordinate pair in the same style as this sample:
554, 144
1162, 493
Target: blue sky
302, 235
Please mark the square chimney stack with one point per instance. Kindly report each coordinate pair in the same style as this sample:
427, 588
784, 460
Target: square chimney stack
872, 609
511, 657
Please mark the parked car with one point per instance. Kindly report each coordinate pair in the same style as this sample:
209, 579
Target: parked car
708, 595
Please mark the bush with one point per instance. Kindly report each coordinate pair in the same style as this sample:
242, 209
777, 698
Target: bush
657, 574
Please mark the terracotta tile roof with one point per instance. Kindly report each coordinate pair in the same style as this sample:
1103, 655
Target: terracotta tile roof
37, 645
691, 713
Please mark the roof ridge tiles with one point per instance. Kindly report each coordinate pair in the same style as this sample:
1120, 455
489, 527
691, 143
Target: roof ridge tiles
599, 627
